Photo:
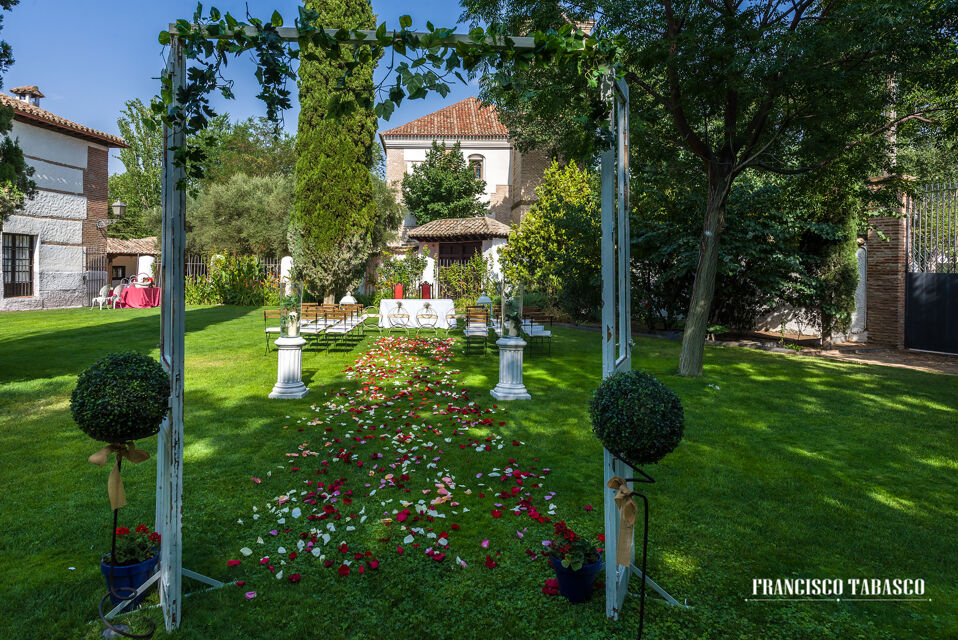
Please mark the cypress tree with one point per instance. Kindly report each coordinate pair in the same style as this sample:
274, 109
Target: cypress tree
335, 213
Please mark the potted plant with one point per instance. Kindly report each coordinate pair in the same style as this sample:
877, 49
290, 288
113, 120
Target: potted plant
636, 417
576, 562
137, 554
121, 397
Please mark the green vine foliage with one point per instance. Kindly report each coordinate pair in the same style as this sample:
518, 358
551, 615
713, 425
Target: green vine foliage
419, 63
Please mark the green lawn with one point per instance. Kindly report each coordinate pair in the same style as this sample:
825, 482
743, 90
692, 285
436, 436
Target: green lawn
790, 467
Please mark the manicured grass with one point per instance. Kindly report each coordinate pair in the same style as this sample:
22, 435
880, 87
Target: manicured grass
790, 467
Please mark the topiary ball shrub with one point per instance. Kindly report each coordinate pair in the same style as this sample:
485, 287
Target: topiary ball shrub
122, 396
637, 418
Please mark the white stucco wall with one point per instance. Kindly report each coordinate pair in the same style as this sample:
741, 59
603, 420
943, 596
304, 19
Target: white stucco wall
497, 158
490, 250
57, 205
54, 217
46, 144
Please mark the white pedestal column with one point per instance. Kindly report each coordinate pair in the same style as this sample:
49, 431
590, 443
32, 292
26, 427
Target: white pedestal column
289, 374
510, 385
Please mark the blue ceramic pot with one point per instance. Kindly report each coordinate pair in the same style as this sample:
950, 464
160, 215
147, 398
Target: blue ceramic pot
576, 586
131, 575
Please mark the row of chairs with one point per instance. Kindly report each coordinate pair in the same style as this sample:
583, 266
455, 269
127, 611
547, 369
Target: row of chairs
534, 323
327, 320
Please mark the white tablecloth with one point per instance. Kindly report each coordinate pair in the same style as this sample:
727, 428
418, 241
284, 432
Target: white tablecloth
441, 307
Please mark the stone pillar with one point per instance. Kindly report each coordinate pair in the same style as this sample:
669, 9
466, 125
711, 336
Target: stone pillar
857, 331
289, 374
885, 288
510, 385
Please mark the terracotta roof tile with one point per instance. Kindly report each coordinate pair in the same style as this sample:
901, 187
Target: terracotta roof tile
450, 228
464, 119
133, 246
43, 118
30, 90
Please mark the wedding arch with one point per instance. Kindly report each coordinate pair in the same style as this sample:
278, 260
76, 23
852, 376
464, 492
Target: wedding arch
182, 108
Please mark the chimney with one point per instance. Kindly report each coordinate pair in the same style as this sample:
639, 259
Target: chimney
30, 95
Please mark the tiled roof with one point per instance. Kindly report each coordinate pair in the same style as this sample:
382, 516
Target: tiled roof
134, 246
43, 118
464, 119
31, 90
452, 228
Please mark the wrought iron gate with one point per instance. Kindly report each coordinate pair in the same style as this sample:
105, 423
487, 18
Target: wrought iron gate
931, 283
95, 276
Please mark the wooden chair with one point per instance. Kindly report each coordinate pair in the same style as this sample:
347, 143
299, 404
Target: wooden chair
271, 315
534, 326
477, 327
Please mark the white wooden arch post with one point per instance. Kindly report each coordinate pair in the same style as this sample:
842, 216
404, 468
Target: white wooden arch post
169, 454
617, 325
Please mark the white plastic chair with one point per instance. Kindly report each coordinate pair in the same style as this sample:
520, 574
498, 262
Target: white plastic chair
102, 298
115, 298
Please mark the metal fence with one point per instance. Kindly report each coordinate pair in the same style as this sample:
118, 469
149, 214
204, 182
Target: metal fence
933, 229
95, 276
199, 266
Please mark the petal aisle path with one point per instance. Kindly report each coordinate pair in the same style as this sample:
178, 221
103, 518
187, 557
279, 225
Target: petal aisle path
369, 481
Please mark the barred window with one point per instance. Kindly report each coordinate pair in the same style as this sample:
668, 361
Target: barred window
17, 265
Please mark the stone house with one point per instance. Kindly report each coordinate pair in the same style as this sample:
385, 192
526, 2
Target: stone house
47, 245
511, 178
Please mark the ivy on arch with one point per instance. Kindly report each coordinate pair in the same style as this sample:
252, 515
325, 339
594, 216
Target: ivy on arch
418, 63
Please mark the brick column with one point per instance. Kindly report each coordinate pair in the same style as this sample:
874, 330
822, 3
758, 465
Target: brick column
885, 290
95, 189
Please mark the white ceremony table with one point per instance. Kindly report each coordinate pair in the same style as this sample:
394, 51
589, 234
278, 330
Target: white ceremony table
441, 307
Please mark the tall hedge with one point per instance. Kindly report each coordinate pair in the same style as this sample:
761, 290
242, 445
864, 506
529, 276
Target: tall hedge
335, 210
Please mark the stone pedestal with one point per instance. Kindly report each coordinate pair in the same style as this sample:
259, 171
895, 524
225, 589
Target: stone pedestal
289, 375
510, 385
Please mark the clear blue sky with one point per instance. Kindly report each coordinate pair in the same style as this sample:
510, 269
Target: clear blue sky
89, 57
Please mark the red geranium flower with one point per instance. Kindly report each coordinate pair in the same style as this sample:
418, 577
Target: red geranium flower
343, 570
122, 531
295, 578
142, 528
496, 513
232, 563
490, 563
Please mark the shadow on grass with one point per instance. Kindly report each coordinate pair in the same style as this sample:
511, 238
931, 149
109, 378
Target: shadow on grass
57, 350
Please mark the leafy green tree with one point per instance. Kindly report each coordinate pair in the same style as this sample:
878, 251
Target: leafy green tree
335, 213
139, 185
555, 249
761, 86
15, 183
255, 147
247, 215
443, 186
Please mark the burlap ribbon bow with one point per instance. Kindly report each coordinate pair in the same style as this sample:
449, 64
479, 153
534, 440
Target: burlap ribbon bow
628, 511
115, 483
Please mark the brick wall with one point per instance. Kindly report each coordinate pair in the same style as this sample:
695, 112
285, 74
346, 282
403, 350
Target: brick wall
500, 203
885, 289
531, 165
95, 190
395, 169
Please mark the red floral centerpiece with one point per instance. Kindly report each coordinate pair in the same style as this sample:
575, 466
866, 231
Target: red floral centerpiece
576, 562
135, 560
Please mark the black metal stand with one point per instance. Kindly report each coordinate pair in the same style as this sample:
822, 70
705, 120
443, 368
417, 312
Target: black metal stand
113, 589
646, 478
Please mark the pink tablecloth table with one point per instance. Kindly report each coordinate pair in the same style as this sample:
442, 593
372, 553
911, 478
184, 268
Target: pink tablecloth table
140, 297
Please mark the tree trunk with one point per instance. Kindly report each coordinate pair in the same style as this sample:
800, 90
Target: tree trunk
703, 289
